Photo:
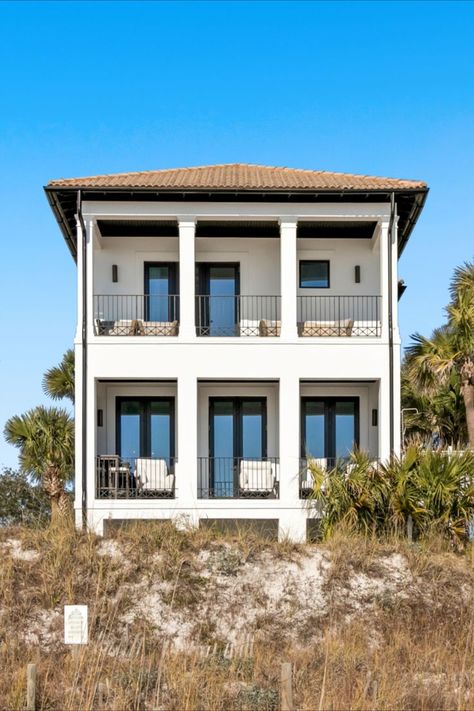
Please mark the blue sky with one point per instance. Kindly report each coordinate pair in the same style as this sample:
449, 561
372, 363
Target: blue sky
85, 88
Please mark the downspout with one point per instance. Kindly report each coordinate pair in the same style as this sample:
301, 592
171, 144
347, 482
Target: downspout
84, 359
390, 322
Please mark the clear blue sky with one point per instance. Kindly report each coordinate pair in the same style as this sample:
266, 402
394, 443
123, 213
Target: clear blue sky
85, 88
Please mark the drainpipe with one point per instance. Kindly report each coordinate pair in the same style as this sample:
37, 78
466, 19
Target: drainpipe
390, 321
84, 359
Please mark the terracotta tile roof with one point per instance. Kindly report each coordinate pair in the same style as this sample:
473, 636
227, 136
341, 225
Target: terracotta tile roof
239, 176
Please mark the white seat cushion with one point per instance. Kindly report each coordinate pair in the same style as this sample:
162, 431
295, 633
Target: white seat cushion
153, 474
256, 475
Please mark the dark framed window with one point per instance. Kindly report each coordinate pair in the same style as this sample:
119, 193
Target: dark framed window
329, 426
217, 302
161, 287
238, 427
314, 274
145, 427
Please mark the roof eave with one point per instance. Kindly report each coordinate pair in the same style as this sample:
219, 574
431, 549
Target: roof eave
51, 191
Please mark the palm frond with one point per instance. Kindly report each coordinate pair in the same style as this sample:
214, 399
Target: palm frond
58, 382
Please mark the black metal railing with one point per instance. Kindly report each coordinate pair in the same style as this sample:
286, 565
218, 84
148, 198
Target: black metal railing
339, 316
237, 315
310, 465
136, 315
134, 477
238, 478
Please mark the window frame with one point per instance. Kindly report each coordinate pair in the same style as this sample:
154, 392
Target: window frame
316, 261
145, 429
173, 281
329, 417
237, 401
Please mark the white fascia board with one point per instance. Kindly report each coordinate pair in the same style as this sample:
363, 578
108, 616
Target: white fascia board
236, 210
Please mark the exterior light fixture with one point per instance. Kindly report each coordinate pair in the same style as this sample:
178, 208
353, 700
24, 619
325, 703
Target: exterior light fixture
114, 272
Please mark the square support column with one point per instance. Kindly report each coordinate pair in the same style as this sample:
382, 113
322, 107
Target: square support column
187, 309
292, 518
288, 278
187, 464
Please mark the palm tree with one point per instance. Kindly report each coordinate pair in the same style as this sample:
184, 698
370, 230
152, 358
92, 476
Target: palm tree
432, 361
58, 382
45, 438
442, 414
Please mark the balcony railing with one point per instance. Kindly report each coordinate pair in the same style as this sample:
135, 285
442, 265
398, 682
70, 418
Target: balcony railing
134, 478
308, 465
237, 315
339, 316
238, 478
136, 315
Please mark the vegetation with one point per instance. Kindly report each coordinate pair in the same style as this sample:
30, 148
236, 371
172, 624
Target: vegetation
385, 626
429, 489
45, 439
58, 382
21, 500
439, 371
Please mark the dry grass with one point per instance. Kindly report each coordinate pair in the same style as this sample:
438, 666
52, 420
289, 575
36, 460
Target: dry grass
395, 630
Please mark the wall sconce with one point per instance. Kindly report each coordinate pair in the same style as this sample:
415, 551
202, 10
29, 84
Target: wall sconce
375, 418
357, 274
114, 272
100, 418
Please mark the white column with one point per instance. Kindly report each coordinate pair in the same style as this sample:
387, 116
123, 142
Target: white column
396, 400
383, 253
396, 334
288, 278
292, 518
90, 227
186, 468
384, 417
187, 230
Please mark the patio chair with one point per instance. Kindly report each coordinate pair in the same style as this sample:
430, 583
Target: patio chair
153, 475
256, 478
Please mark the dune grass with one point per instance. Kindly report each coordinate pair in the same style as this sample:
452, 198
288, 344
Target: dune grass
402, 652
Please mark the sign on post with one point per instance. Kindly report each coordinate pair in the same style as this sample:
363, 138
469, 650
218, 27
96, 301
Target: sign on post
75, 624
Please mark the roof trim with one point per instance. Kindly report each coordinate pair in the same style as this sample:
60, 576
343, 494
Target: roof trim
62, 198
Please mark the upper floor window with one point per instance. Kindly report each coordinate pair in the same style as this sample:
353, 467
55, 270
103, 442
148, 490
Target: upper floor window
314, 274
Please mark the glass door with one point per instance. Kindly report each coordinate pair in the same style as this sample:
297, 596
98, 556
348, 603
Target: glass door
160, 289
219, 309
237, 431
330, 428
222, 447
145, 428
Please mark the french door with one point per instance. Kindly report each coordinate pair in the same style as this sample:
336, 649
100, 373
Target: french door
330, 427
161, 287
145, 428
237, 430
218, 288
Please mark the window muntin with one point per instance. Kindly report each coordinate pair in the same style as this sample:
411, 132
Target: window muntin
314, 274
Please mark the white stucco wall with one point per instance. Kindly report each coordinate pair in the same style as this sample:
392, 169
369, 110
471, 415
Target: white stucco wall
188, 360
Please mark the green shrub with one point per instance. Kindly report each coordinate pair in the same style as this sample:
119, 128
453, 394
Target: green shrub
21, 501
433, 490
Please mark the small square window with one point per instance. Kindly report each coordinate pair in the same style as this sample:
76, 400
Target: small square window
314, 274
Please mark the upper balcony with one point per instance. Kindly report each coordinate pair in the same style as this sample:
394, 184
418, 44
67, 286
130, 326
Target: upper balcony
229, 279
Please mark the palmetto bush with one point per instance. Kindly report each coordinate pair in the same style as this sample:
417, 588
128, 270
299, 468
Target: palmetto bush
432, 490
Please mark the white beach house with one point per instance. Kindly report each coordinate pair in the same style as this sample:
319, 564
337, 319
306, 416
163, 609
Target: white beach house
233, 320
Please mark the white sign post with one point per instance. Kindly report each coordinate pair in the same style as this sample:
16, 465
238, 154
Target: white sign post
75, 624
